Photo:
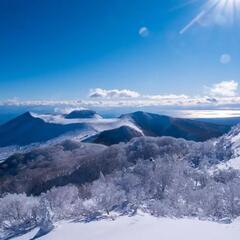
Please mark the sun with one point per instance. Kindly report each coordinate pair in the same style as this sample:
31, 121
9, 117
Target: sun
219, 12
231, 6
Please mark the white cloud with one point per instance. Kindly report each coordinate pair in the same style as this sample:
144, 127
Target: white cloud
53, 103
113, 93
165, 97
65, 106
220, 95
225, 58
224, 89
143, 32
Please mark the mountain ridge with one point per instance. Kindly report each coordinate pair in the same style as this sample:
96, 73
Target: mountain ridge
160, 125
78, 114
26, 129
114, 136
31, 128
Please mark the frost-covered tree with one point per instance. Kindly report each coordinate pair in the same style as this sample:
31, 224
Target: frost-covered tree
60, 202
162, 176
17, 212
107, 195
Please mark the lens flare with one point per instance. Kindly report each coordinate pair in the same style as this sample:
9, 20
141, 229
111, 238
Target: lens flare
218, 12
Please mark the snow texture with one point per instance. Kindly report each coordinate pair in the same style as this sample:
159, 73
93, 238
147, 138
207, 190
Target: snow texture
142, 227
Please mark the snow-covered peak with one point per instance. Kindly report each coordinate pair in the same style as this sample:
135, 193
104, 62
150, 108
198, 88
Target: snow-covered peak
83, 114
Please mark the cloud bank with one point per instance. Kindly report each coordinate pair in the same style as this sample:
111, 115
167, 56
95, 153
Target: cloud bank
114, 93
222, 95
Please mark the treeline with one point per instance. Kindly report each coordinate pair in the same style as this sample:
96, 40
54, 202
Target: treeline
166, 186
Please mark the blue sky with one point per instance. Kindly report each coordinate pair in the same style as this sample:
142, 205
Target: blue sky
66, 49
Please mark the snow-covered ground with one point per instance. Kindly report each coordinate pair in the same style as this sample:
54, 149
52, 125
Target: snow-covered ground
142, 227
233, 140
233, 163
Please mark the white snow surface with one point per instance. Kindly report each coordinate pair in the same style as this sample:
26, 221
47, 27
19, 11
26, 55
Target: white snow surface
233, 137
142, 227
233, 163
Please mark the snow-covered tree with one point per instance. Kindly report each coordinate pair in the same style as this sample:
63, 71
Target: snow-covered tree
17, 211
107, 195
61, 201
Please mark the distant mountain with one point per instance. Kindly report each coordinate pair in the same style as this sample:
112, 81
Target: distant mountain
231, 121
31, 128
159, 125
27, 129
82, 114
115, 136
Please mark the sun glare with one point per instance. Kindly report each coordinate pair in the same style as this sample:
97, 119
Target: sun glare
229, 6
220, 12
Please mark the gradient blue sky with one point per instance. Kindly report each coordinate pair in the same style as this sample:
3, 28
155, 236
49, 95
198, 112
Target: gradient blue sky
59, 49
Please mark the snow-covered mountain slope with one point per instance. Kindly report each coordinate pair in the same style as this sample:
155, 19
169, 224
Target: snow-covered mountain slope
159, 125
233, 163
142, 227
31, 128
233, 139
230, 144
44, 165
63, 166
67, 168
78, 135
27, 129
165, 176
